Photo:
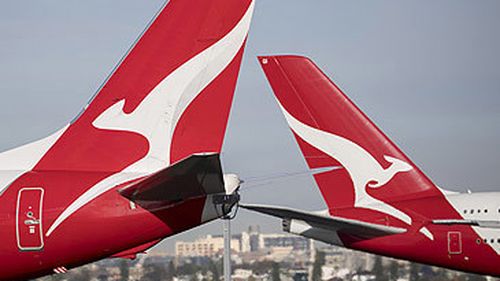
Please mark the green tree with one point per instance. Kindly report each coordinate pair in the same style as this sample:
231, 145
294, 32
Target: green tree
170, 271
124, 270
440, 274
275, 273
475, 277
187, 269
460, 277
378, 270
212, 267
154, 272
82, 275
394, 271
414, 272
319, 261
57, 277
261, 267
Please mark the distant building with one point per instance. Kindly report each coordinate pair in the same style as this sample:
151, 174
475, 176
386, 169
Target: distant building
255, 241
340, 258
208, 246
277, 245
297, 243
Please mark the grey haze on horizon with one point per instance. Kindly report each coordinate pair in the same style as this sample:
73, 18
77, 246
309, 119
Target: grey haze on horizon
427, 72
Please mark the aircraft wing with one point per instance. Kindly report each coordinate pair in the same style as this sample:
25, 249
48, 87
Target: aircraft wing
196, 176
348, 226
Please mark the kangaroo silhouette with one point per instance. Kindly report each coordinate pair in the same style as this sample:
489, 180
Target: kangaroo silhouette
364, 170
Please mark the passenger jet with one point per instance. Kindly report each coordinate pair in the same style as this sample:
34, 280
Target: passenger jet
141, 162
378, 200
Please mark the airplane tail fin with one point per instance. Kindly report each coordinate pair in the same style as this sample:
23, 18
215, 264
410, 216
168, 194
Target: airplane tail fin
170, 96
332, 131
168, 99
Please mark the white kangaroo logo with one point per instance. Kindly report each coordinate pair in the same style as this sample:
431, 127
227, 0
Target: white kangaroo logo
363, 168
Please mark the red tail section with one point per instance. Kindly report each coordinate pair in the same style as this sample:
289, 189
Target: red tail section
169, 98
155, 129
332, 131
180, 74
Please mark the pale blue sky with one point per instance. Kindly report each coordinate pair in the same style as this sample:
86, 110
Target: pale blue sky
428, 72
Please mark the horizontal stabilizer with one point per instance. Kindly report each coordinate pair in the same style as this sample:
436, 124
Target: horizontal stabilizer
348, 226
196, 176
478, 223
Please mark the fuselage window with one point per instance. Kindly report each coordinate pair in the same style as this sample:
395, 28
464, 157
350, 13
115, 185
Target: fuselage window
479, 211
472, 211
492, 241
498, 240
486, 210
465, 211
